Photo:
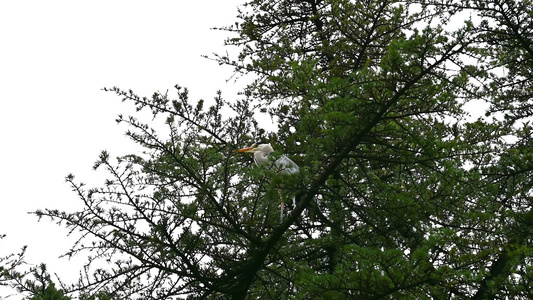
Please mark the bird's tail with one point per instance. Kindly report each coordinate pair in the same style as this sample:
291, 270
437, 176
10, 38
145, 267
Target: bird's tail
312, 208
295, 200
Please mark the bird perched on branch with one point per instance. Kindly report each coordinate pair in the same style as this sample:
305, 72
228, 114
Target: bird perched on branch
282, 165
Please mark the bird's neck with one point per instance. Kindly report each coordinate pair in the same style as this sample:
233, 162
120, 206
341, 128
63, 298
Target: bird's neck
261, 157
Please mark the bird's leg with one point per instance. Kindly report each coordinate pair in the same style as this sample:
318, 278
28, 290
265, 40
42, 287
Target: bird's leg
281, 212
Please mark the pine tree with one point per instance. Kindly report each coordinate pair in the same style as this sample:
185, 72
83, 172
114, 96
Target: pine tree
414, 198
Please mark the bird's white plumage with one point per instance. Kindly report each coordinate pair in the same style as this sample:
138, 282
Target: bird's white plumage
283, 164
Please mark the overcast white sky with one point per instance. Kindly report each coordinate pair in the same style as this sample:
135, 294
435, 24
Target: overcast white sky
55, 56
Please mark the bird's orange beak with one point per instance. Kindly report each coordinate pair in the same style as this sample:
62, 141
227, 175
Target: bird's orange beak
249, 149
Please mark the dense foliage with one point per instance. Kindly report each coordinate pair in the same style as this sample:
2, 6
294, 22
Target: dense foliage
413, 197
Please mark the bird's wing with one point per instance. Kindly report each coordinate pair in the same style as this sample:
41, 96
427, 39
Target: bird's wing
285, 165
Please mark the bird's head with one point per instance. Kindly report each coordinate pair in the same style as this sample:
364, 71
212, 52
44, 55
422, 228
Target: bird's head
257, 147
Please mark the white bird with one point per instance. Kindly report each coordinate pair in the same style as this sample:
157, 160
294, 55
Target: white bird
283, 164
